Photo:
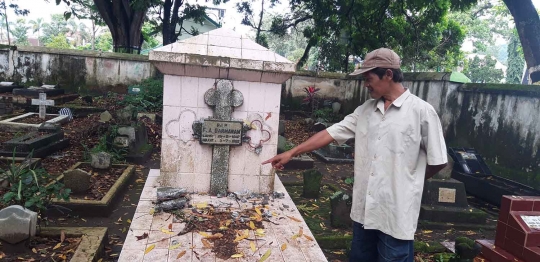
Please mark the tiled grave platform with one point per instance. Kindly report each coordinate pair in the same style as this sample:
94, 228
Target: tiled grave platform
12, 122
301, 249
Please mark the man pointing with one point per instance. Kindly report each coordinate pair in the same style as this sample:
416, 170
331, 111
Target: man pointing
398, 144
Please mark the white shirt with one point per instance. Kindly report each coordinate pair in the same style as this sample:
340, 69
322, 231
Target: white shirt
392, 150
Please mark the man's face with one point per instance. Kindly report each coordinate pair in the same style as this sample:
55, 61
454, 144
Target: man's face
376, 87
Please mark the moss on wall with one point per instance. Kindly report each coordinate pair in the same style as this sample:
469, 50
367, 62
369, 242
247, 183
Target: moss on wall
513, 89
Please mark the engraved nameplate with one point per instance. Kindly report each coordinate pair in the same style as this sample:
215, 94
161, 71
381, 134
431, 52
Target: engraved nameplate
447, 195
221, 132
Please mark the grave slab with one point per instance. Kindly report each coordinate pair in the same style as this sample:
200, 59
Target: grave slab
12, 124
518, 231
297, 250
7, 87
34, 92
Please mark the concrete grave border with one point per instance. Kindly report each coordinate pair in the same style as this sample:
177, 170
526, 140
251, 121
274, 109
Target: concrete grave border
60, 119
103, 207
89, 249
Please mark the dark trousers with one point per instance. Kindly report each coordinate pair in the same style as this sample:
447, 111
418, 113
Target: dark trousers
375, 246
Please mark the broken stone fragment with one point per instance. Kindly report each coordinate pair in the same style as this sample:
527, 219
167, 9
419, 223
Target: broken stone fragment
168, 193
171, 204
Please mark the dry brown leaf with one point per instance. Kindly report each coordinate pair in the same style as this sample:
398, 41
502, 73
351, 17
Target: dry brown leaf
206, 243
148, 249
34, 250
294, 219
251, 225
300, 232
181, 254
308, 238
283, 247
258, 210
170, 227
214, 236
227, 223
62, 236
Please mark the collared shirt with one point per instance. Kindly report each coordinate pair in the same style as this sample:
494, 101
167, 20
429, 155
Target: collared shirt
392, 149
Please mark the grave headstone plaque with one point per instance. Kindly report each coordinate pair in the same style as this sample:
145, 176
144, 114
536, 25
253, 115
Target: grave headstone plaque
17, 224
220, 131
42, 102
101, 160
77, 180
518, 231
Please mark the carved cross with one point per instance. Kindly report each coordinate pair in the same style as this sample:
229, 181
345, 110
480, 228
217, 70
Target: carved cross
42, 102
223, 98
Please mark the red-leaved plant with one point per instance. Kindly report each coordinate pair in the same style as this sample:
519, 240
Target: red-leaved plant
311, 99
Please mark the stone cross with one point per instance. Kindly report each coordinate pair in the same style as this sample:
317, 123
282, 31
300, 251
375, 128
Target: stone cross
42, 102
223, 98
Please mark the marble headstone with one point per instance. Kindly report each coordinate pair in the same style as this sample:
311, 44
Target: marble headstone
17, 224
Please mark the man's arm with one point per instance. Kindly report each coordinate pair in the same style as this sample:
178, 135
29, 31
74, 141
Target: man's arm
432, 170
317, 141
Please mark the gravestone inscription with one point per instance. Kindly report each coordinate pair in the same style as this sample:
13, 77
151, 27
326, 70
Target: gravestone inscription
221, 131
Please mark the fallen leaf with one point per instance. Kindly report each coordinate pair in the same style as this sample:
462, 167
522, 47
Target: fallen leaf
166, 231
57, 246
170, 227
129, 221
227, 223
237, 256
181, 254
101, 259
139, 181
427, 231
427, 244
294, 219
251, 225
62, 256
114, 255
308, 237
214, 236
283, 247
206, 243
252, 245
119, 219
201, 205
62, 236
258, 211
143, 236
123, 230
173, 247
269, 114
266, 255
148, 249
152, 211
259, 232
204, 234
83, 219
34, 250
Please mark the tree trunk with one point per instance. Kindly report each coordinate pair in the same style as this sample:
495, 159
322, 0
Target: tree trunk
170, 20
258, 36
7, 24
93, 35
124, 22
312, 42
528, 27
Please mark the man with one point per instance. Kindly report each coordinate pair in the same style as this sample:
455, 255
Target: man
398, 144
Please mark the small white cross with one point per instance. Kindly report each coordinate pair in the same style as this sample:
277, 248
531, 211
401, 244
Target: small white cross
42, 102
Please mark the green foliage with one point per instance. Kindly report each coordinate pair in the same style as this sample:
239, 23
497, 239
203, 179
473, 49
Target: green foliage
349, 180
149, 99
104, 42
105, 144
57, 26
32, 188
327, 114
149, 41
482, 70
59, 41
516, 61
19, 31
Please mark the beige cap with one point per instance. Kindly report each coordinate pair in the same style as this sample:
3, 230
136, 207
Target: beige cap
382, 57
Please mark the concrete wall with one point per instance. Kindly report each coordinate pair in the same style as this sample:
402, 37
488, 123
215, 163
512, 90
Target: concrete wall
502, 122
74, 70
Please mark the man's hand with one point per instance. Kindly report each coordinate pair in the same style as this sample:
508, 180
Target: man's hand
279, 161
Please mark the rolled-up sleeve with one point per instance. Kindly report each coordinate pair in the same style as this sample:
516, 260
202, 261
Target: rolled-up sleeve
433, 138
344, 130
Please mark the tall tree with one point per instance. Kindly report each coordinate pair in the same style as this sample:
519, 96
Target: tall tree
59, 41
514, 72
527, 23
256, 22
57, 26
16, 9
37, 25
482, 70
19, 30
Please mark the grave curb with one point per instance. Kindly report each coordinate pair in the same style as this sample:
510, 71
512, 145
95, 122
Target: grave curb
329, 159
103, 207
59, 119
89, 249
34, 162
442, 225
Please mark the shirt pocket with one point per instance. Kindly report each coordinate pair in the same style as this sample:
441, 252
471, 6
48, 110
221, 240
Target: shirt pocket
399, 138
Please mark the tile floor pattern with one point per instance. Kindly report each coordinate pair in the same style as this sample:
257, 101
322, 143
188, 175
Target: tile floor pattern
301, 249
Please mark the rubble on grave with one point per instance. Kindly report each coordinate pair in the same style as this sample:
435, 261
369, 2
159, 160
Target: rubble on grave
222, 225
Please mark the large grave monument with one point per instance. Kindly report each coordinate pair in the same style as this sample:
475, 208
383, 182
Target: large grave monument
518, 231
221, 112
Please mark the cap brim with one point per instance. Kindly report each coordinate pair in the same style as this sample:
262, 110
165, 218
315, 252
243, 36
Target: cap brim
361, 70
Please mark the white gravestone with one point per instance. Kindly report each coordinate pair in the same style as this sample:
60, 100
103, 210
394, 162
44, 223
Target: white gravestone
42, 102
17, 224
